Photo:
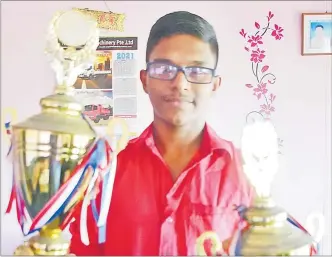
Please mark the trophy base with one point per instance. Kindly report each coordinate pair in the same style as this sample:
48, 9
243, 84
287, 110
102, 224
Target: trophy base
50, 242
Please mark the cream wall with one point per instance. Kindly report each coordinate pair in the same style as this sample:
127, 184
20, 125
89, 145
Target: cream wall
303, 88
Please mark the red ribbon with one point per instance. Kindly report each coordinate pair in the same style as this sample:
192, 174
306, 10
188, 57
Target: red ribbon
11, 199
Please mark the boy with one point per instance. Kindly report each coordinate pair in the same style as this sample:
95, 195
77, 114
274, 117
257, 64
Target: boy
178, 179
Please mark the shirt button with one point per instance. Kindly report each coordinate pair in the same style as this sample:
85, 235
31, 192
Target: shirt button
169, 220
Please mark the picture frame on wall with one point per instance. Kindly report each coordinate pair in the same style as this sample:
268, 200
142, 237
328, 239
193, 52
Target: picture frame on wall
317, 33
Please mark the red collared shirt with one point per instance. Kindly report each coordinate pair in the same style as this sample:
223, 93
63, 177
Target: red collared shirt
152, 215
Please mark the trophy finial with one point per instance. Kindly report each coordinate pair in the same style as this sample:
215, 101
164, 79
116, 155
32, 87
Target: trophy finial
259, 146
72, 40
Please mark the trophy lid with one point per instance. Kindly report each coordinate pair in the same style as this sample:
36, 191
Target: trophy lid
61, 113
269, 232
70, 54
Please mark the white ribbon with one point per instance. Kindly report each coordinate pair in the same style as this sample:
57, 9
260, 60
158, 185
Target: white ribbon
105, 205
106, 196
316, 231
84, 211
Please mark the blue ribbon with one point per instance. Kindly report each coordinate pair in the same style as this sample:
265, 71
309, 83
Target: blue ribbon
100, 154
62, 207
95, 158
93, 162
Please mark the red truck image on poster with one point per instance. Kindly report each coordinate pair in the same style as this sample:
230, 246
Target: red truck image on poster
98, 112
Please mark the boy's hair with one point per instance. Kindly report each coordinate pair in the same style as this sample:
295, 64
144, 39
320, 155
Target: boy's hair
185, 23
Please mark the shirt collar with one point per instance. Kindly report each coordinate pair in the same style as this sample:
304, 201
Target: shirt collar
211, 142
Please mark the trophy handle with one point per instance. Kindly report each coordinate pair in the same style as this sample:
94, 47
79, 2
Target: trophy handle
216, 248
316, 231
124, 139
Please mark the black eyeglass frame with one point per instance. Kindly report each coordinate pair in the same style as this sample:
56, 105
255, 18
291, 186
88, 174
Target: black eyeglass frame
181, 69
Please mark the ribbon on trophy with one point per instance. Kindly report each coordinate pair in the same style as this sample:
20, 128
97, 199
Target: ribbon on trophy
100, 152
15, 192
8, 132
241, 210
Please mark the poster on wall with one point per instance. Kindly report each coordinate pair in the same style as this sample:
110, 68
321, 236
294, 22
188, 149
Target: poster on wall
108, 89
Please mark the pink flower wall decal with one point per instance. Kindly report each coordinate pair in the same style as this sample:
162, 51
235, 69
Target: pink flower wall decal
262, 87
257, 55
276, 33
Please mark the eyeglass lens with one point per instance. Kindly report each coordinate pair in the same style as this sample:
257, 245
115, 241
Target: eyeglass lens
194, 74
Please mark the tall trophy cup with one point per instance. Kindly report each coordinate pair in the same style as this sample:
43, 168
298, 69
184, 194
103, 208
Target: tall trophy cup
270, 231
48, 146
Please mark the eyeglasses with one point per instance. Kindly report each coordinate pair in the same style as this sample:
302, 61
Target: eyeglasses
193, 74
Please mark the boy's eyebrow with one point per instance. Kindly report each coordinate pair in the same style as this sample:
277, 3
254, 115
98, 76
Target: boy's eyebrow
198, 63
162, 60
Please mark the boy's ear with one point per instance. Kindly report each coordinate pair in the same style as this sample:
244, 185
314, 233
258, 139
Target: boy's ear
143, 77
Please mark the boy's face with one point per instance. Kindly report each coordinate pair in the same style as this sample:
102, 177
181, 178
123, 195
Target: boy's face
177, 101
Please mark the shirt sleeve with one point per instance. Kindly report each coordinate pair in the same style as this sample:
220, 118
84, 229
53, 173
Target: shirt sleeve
77, 247
244, 196
246, 190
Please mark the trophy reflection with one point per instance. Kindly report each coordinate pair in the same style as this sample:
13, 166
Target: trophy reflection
48, 146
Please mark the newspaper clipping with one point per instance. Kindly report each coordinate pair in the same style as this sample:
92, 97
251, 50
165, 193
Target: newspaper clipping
108, 89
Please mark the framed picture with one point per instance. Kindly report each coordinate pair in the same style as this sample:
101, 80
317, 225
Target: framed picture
316, 33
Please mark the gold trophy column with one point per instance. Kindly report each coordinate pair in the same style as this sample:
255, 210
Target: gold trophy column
47, 146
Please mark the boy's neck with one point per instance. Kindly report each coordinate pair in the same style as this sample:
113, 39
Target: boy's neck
185, 138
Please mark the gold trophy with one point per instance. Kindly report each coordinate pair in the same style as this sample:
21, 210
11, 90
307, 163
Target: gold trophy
269, 233
47, 146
